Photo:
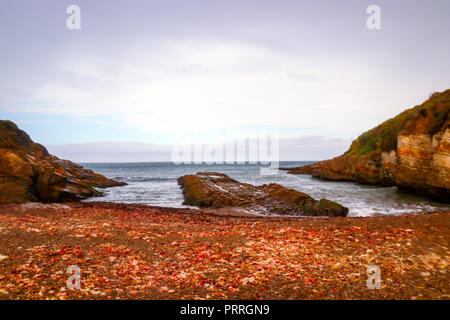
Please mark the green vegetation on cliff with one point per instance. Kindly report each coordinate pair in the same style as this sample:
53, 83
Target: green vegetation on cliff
434, 111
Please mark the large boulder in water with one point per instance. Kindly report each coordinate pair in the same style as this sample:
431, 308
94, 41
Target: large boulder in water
29, 173
217, 190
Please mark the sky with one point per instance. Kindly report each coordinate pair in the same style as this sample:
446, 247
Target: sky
142, 76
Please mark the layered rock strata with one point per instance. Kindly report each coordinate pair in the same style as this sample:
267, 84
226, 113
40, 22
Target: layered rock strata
29, 173
217, 190
410, 151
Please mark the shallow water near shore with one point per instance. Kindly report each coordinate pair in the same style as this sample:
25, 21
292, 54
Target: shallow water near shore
155, 184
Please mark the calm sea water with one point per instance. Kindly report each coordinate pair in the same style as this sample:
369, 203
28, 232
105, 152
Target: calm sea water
155, 184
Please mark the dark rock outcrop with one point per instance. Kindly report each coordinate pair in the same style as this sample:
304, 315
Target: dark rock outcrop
29, 173
217, 190
410, 151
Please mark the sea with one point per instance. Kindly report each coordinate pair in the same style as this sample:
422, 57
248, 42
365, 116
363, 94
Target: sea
155, 183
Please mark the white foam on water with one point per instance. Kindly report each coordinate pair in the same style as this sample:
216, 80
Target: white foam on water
156, 184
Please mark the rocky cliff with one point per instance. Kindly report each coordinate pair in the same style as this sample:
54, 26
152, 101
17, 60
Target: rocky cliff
29, 173
217, 190
410, 151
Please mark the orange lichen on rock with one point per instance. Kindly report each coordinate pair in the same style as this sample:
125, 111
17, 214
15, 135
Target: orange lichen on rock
415, 154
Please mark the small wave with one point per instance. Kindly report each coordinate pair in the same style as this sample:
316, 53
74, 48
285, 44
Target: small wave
359, 211
142, 179
155, 184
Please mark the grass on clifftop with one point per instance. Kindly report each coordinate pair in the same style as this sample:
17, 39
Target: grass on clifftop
9, 124
427, 118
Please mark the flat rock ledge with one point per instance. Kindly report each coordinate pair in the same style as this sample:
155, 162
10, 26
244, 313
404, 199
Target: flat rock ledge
217, 190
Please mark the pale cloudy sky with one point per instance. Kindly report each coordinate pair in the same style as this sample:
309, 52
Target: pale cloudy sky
141, 76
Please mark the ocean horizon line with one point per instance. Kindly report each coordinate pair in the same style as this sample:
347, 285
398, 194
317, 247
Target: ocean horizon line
203, 163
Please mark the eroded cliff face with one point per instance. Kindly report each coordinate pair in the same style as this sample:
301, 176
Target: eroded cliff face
411, 151
423, 165
29, 173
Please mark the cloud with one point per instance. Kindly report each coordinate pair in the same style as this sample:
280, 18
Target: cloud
163, 71
111, 152
312, 148
204, 84
298, 148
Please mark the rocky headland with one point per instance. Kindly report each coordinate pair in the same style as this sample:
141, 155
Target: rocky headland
410, 151
217, 190
29, 173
